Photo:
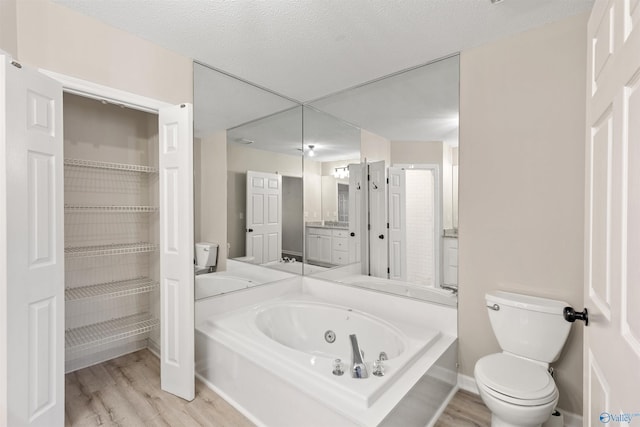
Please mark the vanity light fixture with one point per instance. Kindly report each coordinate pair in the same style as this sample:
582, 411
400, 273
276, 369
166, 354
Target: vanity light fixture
341, 173
311, 153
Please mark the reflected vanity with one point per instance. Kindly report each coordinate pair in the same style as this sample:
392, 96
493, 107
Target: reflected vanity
359, 187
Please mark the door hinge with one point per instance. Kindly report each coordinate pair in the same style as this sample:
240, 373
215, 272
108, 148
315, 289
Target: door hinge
368, 177
368, 226
387, 180
387, 226
388, 270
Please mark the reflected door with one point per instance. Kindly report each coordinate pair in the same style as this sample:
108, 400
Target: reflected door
264, 217
378, 258
397, 224
356, 201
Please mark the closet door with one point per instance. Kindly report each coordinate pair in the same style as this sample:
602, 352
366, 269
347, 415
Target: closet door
176, 250
32, 253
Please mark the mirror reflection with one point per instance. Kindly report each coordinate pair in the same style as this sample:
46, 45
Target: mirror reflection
373, 205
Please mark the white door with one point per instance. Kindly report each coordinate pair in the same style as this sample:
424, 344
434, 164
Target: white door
378, 254
612, 238
397, 224
32, 252
356, 190
264, 216
176, 251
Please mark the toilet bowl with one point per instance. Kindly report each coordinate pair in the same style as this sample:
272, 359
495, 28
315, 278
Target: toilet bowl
516, 385
516, 391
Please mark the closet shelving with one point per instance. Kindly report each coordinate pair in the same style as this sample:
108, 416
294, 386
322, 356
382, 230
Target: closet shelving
111, 236
124, 167
94, 335
113, 249
108, 290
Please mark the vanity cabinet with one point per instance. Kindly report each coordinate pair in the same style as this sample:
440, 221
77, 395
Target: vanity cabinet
319, 245
339, 247
327, 245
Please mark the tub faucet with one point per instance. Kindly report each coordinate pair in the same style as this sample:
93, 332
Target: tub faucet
358, 368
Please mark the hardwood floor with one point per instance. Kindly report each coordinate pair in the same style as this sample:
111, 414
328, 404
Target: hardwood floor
465, 410
126, 392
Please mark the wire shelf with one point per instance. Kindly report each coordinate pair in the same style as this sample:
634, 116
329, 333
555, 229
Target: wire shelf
111, 289
114, 209
116, 249
84, 337
106, 165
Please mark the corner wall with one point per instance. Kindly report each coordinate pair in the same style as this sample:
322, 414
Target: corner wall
522, 133
8, 27
56, 38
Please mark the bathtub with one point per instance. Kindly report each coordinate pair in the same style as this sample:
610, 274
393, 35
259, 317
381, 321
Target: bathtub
272, 354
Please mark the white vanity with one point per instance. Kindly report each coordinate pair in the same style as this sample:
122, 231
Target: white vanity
327, 245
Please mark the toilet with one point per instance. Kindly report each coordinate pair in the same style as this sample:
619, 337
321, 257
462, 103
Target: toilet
516, 385
206, 257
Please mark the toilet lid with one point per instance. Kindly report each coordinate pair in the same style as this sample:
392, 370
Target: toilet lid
516, 378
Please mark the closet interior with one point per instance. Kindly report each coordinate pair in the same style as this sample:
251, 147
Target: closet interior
111, 232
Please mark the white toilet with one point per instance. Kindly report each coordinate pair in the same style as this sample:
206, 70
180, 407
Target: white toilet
515, 384
206, 257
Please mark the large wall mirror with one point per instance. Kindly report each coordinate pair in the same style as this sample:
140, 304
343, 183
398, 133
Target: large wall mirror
359, 187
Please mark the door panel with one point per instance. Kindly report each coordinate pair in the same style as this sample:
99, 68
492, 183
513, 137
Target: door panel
264, 217
397, 224
378, 236
612, 227
176, 251
356, 209
32, 159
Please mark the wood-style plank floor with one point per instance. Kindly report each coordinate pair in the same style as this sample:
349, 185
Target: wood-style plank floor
126, 392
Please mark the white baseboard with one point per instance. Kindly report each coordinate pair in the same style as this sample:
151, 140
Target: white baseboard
468, 383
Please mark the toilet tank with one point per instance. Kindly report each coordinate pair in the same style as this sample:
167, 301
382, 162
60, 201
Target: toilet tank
206, 254
528, 326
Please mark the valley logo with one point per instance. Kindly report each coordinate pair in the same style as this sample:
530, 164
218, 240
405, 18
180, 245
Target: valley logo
623, 417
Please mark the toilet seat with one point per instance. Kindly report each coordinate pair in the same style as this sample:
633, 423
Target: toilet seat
515, 380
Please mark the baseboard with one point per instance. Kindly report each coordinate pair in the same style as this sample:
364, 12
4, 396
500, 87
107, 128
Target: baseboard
571, 420
468, 383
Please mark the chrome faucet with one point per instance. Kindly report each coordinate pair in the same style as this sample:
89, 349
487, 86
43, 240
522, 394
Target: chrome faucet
358, 368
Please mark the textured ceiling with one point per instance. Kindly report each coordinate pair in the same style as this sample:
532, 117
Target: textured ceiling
306, 49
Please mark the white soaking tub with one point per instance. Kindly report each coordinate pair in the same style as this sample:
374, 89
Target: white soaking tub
272, 353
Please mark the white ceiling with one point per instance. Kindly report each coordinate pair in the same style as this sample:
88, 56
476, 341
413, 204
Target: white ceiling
306, 49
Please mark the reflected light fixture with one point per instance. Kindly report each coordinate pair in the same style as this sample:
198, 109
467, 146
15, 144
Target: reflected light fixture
341, 173
311, 153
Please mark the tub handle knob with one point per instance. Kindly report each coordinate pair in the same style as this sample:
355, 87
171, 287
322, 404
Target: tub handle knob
494, 307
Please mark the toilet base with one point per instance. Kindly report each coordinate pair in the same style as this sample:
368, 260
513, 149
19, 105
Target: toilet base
505, 414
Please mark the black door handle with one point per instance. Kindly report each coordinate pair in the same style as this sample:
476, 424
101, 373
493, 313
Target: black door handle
250, 230
381, 236
570, 315
352, 234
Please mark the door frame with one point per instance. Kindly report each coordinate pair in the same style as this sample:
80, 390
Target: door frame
437, 183
101, 92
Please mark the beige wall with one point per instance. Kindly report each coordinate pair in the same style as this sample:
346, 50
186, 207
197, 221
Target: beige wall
239, 161
522, 121
8, 27
55, 38
210, 188
374, 148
